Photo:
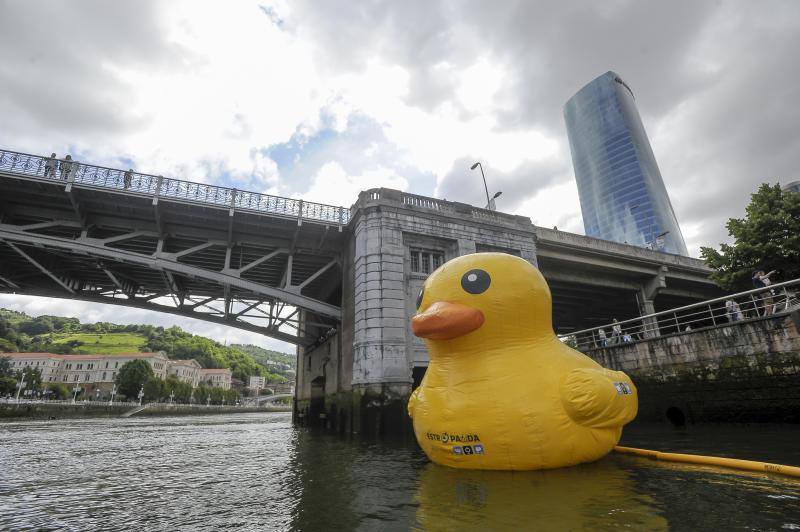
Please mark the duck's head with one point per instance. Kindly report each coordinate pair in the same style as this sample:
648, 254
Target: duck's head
480, 299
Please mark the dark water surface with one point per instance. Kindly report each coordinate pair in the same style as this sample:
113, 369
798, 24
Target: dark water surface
257, 472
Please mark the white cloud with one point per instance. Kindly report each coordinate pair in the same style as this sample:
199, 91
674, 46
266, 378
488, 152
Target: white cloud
333, 186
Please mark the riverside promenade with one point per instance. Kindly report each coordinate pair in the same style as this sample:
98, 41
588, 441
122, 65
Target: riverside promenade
38, 410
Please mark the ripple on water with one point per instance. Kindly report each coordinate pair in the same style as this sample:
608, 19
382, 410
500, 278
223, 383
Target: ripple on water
255, 471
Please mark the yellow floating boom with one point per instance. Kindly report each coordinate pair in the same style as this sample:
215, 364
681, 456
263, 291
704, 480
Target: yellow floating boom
747, 465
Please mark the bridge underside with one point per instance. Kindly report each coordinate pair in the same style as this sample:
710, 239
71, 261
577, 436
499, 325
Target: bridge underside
588, 292
263, 273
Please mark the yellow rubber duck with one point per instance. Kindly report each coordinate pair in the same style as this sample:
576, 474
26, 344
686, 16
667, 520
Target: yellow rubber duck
501, 390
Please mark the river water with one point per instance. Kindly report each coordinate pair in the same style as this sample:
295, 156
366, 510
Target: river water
257, 472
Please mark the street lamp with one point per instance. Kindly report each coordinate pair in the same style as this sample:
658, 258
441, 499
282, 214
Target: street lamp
473, 167
489, 201
113, 393
21, 385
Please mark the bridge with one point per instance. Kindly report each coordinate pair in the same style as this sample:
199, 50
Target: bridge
244, 259
339, 283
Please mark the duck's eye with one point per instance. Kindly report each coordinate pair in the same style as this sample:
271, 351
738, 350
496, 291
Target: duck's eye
476, 281
419, 297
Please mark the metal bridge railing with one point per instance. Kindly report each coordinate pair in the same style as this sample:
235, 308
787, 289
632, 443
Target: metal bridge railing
776, 299
136, 182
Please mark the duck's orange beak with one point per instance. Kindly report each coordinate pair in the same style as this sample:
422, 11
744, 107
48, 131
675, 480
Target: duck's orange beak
445, 321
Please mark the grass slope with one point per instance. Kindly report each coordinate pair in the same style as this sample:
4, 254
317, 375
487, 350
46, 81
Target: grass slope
106, 344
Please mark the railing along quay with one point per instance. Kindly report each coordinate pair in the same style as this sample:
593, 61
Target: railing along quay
87, 175
776, 299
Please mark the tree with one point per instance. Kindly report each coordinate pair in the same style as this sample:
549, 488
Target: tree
58, 390
153, 389
767, 238
8, 385
132, 376
33, 378
5, 367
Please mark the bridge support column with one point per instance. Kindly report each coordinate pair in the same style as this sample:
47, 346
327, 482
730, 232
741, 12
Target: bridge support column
646, 298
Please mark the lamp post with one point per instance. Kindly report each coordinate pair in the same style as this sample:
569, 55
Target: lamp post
171, 396
141, 394
21, 385
490, 205
473, 167
75, 391
113, 393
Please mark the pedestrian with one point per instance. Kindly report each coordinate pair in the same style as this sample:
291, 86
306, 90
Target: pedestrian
128, 178
762, 280
603, 340
50, 166
733, 311
616, 332
626, 338
66, 167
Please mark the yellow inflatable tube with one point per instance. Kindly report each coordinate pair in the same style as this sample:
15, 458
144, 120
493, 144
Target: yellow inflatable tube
746, 465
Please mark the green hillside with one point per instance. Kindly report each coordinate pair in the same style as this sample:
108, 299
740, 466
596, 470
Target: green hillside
265, 356
56, 334
108, 343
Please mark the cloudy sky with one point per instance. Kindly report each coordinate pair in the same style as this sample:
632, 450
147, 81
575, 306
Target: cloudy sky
322, 99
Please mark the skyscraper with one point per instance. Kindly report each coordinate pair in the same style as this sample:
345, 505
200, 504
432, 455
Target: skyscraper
622, 194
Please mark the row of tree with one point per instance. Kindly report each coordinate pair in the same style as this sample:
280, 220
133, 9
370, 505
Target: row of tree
138, 375
133, 376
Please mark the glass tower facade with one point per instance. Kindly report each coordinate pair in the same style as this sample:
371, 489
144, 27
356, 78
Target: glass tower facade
622, 194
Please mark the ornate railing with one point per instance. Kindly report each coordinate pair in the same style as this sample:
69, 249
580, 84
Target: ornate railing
88, 175
752, 304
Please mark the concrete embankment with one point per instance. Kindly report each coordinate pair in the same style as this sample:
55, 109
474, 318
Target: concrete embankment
745, 372
36, 411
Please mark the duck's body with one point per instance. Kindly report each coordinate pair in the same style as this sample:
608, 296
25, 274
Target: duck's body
508, 394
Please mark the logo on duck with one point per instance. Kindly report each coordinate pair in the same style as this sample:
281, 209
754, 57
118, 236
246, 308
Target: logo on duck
446, 437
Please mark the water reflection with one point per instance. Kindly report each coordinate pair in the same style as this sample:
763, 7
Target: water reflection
257, 472
595, 496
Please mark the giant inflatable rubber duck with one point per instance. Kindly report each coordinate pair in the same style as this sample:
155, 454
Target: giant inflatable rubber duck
501, 390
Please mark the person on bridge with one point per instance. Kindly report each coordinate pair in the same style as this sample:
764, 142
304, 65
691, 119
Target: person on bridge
762, 280
733, 311
66, 167
616, 332
603, 339
50, 166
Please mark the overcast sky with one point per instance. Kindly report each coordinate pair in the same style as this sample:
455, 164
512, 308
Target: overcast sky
322, 99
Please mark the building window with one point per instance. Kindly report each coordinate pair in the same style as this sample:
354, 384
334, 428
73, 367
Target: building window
106, 364
104, 375
80, 366
65, 378
425, 260
116, 364
87, 377
75, 379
